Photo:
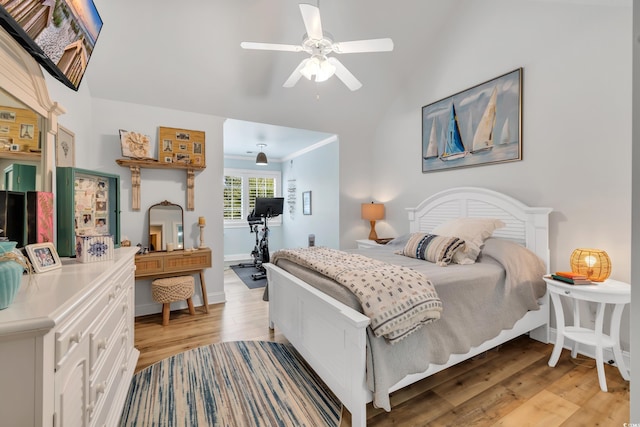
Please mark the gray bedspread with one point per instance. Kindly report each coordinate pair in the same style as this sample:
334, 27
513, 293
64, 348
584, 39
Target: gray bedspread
479, 301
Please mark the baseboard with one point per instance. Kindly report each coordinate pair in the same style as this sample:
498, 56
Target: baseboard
589, 351
155, 308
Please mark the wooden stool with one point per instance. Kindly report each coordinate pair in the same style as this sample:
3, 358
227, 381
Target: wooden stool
170, 290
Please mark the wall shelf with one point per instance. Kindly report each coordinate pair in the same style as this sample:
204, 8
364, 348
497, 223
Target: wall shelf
21, 155
134, 166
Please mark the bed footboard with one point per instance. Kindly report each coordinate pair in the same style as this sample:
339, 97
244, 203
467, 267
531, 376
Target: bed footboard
328, 334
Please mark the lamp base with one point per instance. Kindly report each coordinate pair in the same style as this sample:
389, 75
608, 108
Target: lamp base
372, 234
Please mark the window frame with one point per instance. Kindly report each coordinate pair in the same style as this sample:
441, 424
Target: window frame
245, 174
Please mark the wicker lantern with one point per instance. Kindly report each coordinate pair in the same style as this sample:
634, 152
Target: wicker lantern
593, 263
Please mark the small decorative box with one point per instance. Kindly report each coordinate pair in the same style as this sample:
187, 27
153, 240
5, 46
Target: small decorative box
94, 248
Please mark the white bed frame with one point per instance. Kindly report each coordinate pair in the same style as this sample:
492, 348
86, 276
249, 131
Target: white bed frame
332, 337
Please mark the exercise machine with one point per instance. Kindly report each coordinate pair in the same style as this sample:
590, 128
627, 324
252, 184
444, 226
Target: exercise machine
254, 223
265, 208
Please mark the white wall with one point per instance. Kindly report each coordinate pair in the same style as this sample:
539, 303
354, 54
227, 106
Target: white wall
316, 171
576, 63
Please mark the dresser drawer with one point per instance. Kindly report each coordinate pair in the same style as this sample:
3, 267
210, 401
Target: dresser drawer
105, 385
77, 329
70, 334
106, 334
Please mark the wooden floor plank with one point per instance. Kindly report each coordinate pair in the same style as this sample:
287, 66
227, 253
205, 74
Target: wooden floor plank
545, 409
509, 385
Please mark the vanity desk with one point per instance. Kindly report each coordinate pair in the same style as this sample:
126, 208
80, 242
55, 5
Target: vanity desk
157, 265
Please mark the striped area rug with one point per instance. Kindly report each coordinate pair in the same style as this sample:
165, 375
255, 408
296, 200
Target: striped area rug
242, 383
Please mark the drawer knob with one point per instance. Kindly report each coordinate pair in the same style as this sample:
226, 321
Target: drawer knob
567, 292
75, 337
100, 388
102, 344
112, 296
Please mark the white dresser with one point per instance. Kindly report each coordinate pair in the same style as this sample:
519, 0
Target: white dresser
66, 345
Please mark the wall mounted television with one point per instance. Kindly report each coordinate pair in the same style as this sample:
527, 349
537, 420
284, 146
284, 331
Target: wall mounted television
59, 34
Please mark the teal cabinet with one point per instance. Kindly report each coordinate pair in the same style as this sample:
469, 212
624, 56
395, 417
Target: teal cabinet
18, 177
88, 203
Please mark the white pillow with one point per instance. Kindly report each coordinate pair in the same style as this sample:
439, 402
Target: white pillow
474, 231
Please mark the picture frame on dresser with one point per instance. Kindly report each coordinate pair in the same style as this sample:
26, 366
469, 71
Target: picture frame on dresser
43, 257
87, 203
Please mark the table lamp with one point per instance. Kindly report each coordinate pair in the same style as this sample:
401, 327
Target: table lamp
593, 263
372, 212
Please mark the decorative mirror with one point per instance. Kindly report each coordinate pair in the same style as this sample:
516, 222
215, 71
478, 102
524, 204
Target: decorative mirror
166, 226
30, 121
20, 146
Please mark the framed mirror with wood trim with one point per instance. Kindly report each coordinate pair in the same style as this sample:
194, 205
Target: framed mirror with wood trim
166, 227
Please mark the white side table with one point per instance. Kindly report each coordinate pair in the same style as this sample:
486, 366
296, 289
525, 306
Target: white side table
607, 292
366, 244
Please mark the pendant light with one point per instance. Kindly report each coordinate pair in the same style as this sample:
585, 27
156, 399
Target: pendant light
261, 158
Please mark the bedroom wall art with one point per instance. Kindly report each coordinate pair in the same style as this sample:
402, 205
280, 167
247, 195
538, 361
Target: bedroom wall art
181, 146
477, 126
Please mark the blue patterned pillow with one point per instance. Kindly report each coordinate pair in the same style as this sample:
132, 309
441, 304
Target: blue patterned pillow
432, 248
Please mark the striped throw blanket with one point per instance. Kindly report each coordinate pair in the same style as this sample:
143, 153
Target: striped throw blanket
398, 300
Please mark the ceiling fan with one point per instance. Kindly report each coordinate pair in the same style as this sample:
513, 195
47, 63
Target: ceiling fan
319, 44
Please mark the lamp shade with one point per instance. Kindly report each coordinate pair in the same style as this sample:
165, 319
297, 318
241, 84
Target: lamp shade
593, 263
372, 211
261, 158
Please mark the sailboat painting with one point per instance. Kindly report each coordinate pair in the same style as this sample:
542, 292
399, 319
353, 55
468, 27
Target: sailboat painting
480, 125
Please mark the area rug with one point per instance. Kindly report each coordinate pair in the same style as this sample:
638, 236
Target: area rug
244, 273
242, 383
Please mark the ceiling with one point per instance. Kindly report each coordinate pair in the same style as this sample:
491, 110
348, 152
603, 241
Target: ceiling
186, 56
241, 139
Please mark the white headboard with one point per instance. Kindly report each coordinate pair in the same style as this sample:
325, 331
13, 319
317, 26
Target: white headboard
525, 225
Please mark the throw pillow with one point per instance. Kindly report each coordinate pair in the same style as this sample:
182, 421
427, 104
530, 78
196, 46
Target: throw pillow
432, 248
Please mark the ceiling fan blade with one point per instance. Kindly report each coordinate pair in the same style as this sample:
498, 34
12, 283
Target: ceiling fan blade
359, 46
345, 75
271, 46
295, 76
312, 23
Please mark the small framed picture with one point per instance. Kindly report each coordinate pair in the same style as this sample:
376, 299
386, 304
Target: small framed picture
43, 257
26, 131
14, 147
306, 203
65, 148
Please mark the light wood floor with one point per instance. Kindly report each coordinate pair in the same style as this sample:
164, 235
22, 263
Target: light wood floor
508, 386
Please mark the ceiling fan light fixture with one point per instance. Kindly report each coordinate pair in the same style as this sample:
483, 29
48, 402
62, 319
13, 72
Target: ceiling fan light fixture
311, 68
326, 71
261, 158
319, 67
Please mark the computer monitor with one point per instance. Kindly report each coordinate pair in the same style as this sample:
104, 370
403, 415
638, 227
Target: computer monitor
268, 206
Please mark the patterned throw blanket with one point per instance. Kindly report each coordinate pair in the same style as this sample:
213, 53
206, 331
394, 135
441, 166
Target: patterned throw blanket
398, 300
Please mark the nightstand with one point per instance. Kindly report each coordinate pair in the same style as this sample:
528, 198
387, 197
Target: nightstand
367, 244
608, 292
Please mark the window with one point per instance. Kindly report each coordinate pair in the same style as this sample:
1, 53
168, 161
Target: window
241, 187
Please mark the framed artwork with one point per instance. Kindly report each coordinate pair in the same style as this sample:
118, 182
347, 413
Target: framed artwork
7, 116
135, 145
182, 146
65, 148
306, 202
43, 257
480, 125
